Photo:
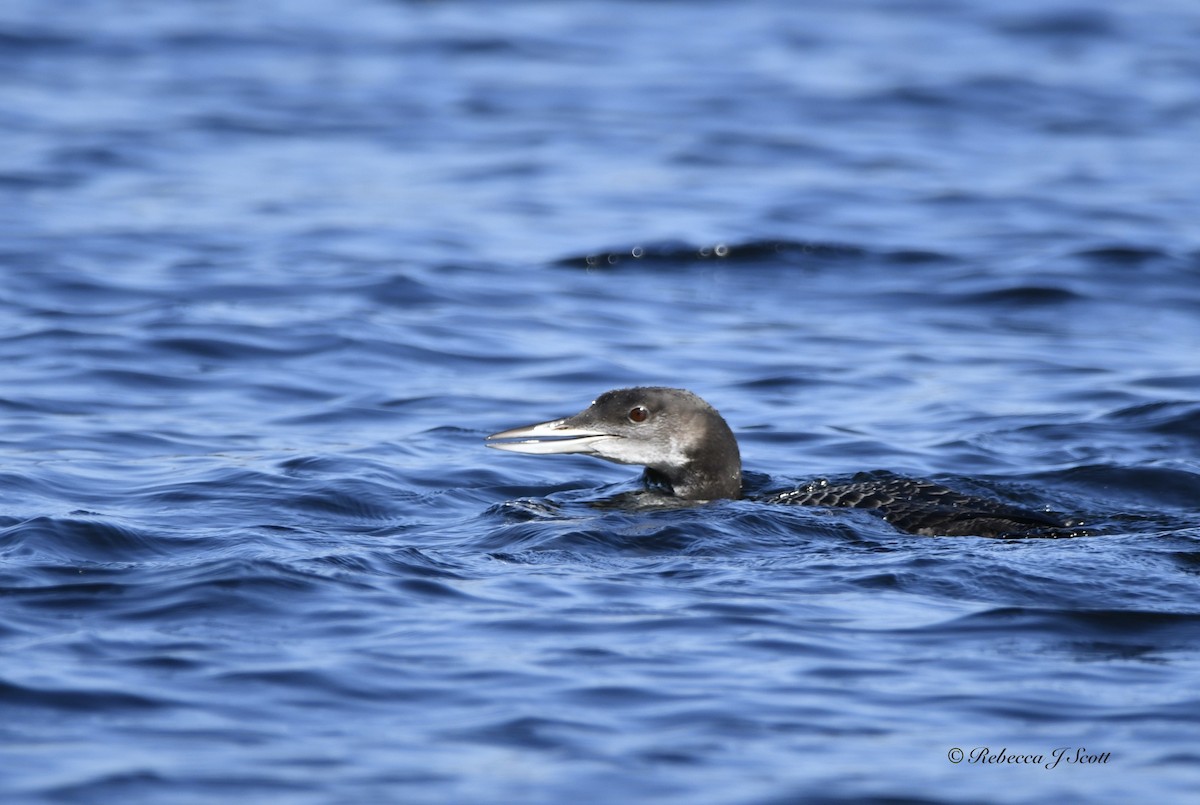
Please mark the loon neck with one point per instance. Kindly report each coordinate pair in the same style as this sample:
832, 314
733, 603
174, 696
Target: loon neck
713, 472
696, 486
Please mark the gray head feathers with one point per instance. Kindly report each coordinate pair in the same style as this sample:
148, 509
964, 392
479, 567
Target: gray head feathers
680, 439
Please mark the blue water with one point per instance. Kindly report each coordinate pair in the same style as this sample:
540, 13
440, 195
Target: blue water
269, 272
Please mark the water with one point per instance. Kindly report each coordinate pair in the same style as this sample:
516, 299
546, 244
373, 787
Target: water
271, 271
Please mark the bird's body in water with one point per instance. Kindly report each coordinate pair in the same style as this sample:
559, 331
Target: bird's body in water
689, 452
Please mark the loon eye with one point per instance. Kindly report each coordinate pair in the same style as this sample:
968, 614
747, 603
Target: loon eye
639, 414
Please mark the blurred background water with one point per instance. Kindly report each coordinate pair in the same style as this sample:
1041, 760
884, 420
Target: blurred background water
270, 271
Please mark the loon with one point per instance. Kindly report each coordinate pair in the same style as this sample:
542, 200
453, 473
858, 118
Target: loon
689, 451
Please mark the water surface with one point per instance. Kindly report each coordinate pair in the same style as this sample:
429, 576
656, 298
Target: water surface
270, 272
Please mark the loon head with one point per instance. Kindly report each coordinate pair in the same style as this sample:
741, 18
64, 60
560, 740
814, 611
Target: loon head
681, 440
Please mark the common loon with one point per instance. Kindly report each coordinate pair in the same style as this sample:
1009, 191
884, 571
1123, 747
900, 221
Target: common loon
689, 451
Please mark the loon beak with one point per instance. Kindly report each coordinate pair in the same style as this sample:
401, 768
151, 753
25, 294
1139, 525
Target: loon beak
548, 438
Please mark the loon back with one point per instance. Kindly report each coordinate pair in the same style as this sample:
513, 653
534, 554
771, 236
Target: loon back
923, 507
689, 451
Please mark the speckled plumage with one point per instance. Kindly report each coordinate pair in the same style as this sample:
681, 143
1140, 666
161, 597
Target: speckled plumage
923, 507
